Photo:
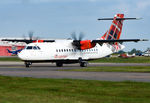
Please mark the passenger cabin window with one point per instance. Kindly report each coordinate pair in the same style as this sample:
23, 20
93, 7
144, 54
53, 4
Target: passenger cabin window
35, 48
29, 47
38, 47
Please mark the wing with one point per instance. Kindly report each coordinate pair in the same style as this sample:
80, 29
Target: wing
119, 40
87, 44
18, 40
27, 41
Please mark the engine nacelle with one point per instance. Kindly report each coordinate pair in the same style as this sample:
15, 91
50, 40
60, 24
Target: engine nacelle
86, 44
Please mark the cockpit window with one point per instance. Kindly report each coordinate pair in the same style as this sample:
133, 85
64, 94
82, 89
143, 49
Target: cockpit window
29, 47
32, 48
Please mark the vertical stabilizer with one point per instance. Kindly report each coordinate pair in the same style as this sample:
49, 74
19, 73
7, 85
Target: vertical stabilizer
115, 29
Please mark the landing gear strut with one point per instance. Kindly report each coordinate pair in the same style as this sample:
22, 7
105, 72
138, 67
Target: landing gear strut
59, 64
83, 63
27, 64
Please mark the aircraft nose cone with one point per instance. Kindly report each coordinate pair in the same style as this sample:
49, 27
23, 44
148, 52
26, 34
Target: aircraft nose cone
21, 55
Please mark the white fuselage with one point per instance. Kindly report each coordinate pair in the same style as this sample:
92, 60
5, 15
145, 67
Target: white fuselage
63, 50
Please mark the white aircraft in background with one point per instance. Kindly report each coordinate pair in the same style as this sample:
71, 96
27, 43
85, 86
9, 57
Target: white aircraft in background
75, 51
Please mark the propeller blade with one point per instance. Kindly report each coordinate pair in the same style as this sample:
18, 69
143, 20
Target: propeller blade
74, 36
37, 38
81, 36
31, 35
76, 42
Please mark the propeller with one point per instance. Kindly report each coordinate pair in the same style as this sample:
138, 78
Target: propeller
76, 40
28, 39
81, 36
74, 36
31, 35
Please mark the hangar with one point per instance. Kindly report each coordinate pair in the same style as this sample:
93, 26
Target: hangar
4, 45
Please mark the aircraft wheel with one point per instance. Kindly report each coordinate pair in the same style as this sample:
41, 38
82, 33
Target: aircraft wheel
27, 64
58, 64
83, 64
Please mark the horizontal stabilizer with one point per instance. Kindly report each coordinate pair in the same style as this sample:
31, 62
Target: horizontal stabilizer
119, 18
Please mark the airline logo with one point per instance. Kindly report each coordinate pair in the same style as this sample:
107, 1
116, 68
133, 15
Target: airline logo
60, 56
115, 31
115, 28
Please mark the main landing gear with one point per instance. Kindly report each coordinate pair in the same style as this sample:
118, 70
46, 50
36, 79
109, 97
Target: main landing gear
80, 61
83, 63
27, 64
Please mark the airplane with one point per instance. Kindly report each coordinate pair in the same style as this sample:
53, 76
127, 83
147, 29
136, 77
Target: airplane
77, 50
14, 52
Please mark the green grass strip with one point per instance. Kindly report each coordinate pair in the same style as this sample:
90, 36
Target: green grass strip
145, 69
30, 90
122, 60
9, 59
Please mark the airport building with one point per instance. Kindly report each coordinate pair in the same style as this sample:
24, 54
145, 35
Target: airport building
4, 45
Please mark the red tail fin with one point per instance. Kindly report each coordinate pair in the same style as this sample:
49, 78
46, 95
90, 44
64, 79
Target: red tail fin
115, 29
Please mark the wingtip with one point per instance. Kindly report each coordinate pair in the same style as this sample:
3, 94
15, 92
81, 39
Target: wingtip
144, 40
139, 18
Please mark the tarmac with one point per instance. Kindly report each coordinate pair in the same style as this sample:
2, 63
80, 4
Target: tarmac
49, 70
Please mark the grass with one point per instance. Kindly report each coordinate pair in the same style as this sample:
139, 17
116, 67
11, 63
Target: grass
30, 90
145, 69
122, 60
102, 60
9, 59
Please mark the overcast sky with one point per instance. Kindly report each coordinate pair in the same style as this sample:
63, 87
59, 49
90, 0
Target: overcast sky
59, 18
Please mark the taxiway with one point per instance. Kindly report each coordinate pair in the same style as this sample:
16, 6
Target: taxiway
48, 70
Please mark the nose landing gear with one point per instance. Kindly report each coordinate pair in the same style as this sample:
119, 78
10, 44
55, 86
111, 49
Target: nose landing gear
27, 64
59, 64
